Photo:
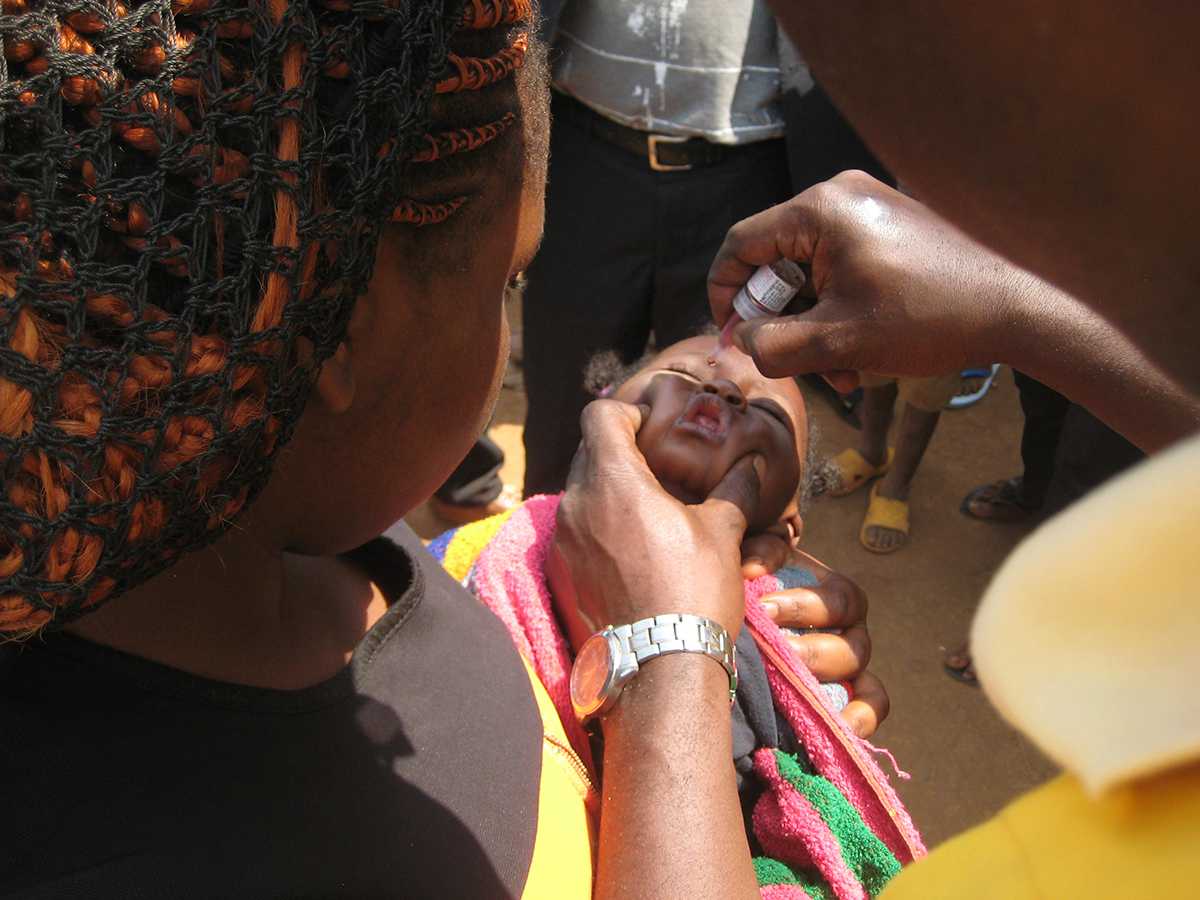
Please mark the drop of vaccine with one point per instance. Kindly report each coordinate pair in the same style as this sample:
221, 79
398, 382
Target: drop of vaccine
712, 360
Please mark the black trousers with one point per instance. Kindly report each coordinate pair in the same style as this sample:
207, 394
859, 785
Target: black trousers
820, 143
625, 254
476, 481
1066, 451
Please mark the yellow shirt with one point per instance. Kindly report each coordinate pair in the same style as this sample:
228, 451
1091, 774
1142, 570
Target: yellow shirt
1088, 641
563, 850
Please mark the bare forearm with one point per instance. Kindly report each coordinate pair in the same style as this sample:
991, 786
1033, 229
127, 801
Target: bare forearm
1056, 339
902, 292
671, 824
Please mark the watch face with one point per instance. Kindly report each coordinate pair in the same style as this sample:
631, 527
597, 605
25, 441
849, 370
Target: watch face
591, 675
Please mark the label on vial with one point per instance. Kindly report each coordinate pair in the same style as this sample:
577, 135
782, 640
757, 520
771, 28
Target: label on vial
765, 294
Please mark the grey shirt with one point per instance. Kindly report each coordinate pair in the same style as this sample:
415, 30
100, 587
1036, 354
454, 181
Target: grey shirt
699, 68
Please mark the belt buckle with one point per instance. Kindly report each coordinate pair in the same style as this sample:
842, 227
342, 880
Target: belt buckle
652, 142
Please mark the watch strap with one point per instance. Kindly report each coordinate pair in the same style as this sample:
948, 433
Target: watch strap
660, 635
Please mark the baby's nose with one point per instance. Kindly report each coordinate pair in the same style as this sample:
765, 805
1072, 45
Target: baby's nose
727, 391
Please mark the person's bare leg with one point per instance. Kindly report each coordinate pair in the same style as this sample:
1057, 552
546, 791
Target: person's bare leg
916, 429
878, 405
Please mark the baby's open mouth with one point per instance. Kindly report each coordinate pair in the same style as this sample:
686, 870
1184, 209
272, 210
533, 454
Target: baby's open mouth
705, 415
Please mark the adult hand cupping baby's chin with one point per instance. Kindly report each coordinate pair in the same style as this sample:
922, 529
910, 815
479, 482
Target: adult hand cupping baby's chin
632, 550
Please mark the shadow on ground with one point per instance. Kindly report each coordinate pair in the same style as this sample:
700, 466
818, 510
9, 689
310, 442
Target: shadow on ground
965, 762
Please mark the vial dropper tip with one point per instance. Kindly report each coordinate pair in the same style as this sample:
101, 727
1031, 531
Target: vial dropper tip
725, 339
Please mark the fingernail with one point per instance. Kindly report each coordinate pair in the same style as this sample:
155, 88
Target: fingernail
771, 609
760, 466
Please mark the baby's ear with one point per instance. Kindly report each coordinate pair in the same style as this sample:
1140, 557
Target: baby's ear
335, 383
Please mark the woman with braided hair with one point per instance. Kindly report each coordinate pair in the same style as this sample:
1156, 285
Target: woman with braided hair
252, 256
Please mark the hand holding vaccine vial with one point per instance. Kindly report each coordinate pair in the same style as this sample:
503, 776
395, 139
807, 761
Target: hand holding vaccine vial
769, 290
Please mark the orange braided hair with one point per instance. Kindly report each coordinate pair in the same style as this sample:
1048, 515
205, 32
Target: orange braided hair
460, 140
473, 73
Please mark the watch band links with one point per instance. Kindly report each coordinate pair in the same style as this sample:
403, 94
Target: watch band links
679, 633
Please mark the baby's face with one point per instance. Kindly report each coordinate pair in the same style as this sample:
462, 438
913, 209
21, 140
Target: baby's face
703, 419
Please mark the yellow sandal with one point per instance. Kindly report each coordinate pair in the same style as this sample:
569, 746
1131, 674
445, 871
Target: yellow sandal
852, 471
884, 512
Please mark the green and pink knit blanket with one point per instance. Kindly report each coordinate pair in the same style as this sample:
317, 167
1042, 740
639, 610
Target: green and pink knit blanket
828, 821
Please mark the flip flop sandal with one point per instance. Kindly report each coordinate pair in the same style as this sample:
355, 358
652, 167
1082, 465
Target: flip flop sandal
1004, 496
851, 471
884, 512
988, 374
964, 674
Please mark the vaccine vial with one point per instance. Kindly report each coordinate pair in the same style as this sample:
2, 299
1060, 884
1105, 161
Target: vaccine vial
768, 291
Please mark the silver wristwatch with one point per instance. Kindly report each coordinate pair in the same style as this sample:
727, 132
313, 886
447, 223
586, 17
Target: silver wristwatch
609, 659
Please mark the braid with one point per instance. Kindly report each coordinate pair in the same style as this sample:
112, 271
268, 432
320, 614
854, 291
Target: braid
482, 14
415, 212
473, 73
478, 96
191, 193
459, 140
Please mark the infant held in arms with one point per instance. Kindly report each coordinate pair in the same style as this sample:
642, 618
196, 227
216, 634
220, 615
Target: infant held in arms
703, 412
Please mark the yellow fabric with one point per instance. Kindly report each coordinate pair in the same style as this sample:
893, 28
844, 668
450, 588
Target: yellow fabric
854, 471
468, 541
1088, 641
1057, 843
885, 512
561, 867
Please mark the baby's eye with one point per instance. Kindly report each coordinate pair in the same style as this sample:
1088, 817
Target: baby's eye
679, 370
773, 411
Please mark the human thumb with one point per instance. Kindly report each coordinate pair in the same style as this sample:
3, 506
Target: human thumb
793, 345
734, 501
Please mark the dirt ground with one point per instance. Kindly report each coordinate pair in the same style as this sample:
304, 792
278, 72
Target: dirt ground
964, 761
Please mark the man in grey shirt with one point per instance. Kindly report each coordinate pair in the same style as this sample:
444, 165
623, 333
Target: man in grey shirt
704, 68
668, 124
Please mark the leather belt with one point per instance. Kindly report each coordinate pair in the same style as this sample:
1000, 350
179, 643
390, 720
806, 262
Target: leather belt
662, 152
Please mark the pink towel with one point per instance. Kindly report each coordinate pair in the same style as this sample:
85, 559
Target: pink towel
836, 752
509, 577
